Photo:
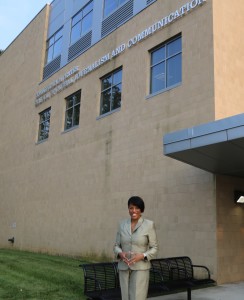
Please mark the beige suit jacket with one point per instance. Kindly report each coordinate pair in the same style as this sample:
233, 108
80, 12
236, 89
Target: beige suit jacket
142, 240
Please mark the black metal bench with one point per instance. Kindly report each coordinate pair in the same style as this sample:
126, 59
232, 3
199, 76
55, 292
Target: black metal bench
167, 275
101, 281
177, 274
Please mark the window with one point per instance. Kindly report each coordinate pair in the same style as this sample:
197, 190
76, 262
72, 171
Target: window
81, 22
54, 46
166, 65
72, 114
111, 92
44, 124
111, 5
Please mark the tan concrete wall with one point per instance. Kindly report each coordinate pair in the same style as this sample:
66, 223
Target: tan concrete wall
229, 90
20, 67
230, 230
228, 57
66, 195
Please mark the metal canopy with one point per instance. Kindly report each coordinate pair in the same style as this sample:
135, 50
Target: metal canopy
217, 147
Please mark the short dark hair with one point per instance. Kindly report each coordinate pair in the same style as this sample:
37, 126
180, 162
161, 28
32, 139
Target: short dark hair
137, 201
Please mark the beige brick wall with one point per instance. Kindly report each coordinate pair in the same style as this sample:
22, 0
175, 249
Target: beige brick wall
228, 57
229, 91
230, 230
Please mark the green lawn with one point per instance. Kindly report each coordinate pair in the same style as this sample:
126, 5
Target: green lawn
26, 275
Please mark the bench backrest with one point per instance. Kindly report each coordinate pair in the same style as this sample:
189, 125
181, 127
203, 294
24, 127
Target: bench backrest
100, 276
181, 267
160, 270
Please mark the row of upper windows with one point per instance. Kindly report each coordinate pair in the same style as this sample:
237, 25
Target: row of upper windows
81, 23
165, 72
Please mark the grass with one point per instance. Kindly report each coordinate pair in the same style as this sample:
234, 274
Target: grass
26, 275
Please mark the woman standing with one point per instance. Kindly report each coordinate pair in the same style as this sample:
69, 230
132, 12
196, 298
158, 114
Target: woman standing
136, 244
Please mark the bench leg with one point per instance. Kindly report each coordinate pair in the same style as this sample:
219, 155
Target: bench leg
188, 293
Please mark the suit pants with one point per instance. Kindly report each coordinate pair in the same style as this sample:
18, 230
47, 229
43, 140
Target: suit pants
134, 284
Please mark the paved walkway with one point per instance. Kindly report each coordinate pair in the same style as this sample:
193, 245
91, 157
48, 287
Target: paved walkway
230, 291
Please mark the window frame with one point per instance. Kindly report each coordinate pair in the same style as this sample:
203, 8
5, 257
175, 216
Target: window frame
41, 122
117, 4
81, 21
110, 88
56, 39
166, 60
72, 108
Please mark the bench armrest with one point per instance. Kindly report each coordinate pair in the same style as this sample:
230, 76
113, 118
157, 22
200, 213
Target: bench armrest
203, 267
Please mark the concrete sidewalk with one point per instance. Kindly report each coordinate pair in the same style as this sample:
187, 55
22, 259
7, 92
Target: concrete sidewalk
230, 291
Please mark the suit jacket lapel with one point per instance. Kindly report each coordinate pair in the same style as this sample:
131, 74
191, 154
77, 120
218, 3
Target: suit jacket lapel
128, 226
139, 223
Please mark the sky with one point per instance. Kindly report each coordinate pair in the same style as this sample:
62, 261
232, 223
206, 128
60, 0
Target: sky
14, 16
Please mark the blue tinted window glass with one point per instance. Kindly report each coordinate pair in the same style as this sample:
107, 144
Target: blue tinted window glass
57, 48
174, 72
166, 65
87, 23
49, 54
109, 6
174, 47
158, 78
158, 55
122, 1
58, 35
88, 8
75, 33
117, 77
77, 18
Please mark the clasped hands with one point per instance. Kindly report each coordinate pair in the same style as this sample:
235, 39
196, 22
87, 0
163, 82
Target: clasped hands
130, 258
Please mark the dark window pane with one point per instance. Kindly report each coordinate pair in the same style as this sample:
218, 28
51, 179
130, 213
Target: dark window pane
46, 115
107, 82
105, 101
111, 92
116, 96
44, 125
158, 78
72, 110
69, 103
76, 99
68, 122
76, 115
174, 70
43, 132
